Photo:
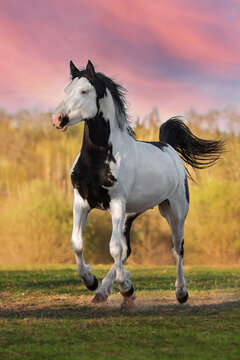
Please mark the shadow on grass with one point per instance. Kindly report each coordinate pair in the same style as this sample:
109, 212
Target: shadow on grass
103, 312
47, 282
59, 281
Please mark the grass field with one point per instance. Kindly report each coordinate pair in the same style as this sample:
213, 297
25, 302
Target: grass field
46, 313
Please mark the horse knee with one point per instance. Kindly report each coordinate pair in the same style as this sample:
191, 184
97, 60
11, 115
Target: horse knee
77, 246
178, 246
115, 249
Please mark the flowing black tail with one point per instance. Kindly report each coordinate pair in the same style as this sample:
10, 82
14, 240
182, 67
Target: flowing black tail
196, 152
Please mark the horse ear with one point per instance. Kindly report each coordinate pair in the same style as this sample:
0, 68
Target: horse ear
90, 69
73, 70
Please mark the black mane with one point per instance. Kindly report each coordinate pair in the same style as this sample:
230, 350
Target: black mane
101, 82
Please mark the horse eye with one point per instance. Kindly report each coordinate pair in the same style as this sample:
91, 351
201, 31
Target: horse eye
84, 92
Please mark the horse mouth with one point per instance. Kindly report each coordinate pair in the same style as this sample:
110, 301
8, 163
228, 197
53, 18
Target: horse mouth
64, 124
63, 128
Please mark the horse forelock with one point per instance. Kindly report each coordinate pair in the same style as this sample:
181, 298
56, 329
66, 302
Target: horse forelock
101, 82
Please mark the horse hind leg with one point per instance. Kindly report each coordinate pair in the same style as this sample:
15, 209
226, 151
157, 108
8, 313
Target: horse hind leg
178, 252
176, 219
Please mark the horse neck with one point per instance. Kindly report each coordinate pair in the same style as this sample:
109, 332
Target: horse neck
103, 131
96, 133
101, 140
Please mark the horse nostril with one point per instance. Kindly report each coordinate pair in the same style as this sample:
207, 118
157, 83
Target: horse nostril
59, 120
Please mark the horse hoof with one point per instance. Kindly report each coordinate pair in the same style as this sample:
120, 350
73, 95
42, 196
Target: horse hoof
183, 299
99, 298
128, 302
94, 284
129, 292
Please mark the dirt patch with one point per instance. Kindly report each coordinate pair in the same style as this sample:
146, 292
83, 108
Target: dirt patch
40, 305
148, 302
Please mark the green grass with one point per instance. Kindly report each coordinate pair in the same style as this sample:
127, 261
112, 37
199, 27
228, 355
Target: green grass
46, 313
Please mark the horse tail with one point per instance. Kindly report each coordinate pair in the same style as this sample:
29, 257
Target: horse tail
196, 152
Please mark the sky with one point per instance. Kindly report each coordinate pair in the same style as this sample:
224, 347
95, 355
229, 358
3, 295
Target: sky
175, 54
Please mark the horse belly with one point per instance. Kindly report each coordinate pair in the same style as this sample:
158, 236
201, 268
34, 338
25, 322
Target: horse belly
155, 180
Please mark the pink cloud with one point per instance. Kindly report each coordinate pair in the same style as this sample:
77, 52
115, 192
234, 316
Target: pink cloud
183, 30
175, 55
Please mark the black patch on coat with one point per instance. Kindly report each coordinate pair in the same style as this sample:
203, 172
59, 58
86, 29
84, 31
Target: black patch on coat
126, 232
159, 144
182, 249
92, 171
186, 189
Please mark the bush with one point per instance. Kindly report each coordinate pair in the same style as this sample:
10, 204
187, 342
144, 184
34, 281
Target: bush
36, 226
212, 226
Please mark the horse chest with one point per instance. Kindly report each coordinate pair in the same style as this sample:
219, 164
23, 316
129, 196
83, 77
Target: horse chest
92, 176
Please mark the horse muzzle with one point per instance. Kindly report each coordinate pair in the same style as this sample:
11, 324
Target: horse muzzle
60, 121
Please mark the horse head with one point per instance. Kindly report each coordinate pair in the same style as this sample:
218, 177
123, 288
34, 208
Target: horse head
81, 98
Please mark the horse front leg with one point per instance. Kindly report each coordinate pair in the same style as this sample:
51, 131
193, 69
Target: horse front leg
120, 250
81, 209
106, 287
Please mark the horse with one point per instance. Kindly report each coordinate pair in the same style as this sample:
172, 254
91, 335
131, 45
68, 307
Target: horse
116, 172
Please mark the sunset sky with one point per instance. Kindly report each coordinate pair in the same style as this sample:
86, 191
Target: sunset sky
175, 54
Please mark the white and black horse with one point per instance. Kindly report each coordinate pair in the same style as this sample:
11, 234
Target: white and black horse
115, 172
